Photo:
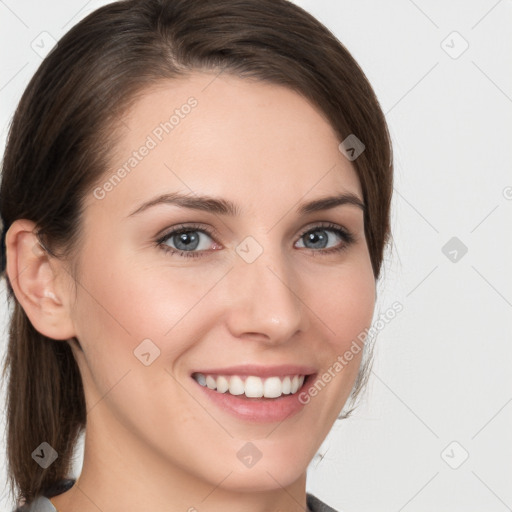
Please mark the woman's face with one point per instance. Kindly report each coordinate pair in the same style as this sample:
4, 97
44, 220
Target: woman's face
245, 297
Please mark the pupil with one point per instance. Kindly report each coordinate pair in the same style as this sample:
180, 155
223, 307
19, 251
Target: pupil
187, 240
321, 238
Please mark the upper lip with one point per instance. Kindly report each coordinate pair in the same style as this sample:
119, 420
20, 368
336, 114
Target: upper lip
260, 371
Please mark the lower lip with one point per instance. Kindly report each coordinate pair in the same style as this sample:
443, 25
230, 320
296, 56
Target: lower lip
262, 410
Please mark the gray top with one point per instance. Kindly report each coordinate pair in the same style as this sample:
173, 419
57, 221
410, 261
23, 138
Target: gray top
40, 504
43, 504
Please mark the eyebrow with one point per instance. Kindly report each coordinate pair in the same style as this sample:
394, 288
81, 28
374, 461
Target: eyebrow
226, 207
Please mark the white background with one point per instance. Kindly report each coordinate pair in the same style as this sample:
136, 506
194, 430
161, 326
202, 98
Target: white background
442, 371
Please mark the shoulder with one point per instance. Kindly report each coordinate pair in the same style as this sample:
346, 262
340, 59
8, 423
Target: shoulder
316, 505
42, 503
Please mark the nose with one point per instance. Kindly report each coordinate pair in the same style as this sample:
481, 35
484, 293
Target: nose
265, 302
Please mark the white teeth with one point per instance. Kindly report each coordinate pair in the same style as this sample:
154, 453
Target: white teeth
210, 382
295, 384
287, 386
222, 384
273, 387
252, 386
236, 385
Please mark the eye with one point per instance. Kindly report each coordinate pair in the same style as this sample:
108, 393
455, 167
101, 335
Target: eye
326, 237
192, 241
188, 241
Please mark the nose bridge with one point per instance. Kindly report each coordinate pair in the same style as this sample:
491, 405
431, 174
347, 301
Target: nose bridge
266, 298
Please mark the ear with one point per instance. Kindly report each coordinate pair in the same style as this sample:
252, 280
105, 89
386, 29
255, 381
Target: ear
35, 279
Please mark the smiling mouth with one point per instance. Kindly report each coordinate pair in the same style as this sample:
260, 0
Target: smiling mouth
252, 386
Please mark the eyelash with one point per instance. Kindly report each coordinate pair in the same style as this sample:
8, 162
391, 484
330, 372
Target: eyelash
347, 237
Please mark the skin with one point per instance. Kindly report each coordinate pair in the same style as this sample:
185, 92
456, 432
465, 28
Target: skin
153, 440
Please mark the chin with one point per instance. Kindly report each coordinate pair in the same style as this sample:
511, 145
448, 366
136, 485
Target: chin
273, 466
263, 479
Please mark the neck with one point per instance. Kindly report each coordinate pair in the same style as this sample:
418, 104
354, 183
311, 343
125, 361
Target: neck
117, 478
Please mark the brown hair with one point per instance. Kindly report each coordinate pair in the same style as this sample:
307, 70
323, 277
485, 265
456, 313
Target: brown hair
62, 134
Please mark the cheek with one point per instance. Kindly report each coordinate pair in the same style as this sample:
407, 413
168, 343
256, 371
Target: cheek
343, 299
123, 302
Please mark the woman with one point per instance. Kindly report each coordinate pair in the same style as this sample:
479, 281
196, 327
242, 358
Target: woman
195, 199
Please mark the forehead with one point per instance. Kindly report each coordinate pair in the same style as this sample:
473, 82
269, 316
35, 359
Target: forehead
226, 136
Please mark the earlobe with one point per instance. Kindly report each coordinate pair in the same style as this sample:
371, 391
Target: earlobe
34, 280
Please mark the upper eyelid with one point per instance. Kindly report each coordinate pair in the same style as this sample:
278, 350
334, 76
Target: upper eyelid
323, 224
166, 233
